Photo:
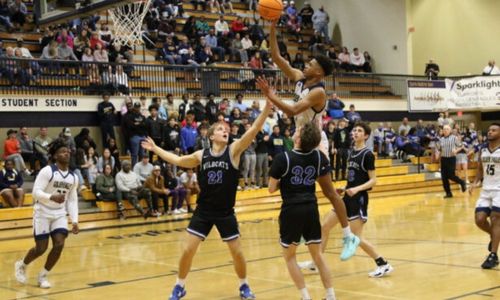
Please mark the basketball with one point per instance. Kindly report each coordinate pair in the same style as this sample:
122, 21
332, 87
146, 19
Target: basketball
270, 9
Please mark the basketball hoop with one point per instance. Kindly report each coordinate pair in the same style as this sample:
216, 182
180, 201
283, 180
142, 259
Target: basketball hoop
127, 20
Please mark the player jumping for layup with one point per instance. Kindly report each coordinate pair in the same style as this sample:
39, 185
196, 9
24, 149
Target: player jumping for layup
295, 174
310, 103
488, 203
218, 180
55, 196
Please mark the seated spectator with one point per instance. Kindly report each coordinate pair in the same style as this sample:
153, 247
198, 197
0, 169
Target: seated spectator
12, 150
389, 139
18, 12
368, 62
211, 41
491, 69
26, 143
294, 27
81, 42
405, 126
306, 14
156, 184
335, 106
64, 36
11, 183
204, 56
64, 52
115, 153
5, 16
189, 28
100, 54
129, 187
256, 32
353, 116
190, 183
237, 26
298, 62
221, 27
256, 64
378, 137
105, 188
105, 159
170, 52
143, 168
87, 55
41, 146
82, 137
202, 26
177, 193
237, 48
247, 78
345, 60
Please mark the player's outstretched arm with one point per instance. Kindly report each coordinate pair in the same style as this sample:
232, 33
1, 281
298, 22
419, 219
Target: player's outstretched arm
315, 97
186, 161
242, 144
293, 74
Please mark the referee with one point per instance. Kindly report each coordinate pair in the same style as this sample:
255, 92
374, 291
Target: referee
448, 147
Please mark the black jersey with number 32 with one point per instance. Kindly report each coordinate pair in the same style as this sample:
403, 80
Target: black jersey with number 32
297, 172
359, 163
218, 180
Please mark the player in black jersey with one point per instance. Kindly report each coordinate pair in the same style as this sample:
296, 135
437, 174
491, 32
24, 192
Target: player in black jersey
294, 174
360, 179
218, 180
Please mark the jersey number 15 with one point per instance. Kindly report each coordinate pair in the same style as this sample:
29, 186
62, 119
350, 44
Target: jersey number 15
490, 170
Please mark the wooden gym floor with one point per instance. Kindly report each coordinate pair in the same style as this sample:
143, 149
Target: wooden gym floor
432, 243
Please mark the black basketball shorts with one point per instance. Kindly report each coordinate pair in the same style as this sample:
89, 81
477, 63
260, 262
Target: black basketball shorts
202, 222
300, 220
357, 206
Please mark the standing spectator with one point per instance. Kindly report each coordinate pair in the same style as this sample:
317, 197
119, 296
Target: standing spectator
306, 14
211, 108
320, 21
276, 143
431, 70
171, 136
447, 147
144, 106
190, 183
202, 141
5, 15
156, 184
143, 168
130, 187
198, 109
287, 139
121, 79
188, 134
249, 163
18, 12
162, 112
184, 107
84, 137
239, 103
135, 123
353, 116
389, 139
262, 159
405, 126
11, 184
330, 131
12, 150
335, 106
170, 108
155, 127
106, 116
41, 146
342, 142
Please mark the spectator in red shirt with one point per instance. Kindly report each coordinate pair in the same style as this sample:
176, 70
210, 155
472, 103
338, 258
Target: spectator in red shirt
12, 150
237, 26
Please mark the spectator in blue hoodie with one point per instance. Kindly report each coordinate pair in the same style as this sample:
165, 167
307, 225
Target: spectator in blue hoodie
335, 107
189, 133
11, 185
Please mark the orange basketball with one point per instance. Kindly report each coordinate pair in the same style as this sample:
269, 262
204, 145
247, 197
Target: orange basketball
270, 9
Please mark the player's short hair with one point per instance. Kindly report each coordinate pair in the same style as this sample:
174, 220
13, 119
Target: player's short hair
365, 127
212, 128
310, 136
325, 62
56, 145
494, 124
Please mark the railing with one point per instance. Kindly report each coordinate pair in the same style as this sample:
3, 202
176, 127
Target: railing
57, 77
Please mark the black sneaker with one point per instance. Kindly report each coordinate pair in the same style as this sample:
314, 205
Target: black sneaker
490, 262
463, 186
448, 196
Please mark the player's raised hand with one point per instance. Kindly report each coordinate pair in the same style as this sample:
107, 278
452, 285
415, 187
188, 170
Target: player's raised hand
264, 86
148, 144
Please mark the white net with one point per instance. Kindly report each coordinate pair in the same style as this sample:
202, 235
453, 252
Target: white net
127, 20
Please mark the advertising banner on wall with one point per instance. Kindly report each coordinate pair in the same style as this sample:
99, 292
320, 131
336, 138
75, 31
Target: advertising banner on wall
477, 93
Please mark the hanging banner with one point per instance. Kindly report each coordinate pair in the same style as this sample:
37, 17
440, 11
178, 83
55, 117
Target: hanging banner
427, 95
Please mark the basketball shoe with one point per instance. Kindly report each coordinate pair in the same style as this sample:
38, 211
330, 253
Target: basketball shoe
246, 293
177, 293
43, 281
20, 271
490, 262
350, 244
381, 271
308, 265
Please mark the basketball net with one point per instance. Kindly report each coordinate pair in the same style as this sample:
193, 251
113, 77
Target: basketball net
127, 20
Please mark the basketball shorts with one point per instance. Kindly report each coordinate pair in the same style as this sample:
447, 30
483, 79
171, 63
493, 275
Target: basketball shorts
45, 226
489, 200
202, 222
299, 220
357, 206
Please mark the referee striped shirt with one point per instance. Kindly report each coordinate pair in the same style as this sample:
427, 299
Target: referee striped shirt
447, 144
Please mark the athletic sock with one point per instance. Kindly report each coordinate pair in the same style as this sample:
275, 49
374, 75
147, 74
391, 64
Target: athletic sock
305, 293
346, 231
23, 265
330, 294
380, 261
243, 281
180, 282
44, 272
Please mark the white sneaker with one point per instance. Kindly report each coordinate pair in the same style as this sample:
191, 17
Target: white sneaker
183, 210
307, 265
20, 271
176, 212
381, 271
43, 281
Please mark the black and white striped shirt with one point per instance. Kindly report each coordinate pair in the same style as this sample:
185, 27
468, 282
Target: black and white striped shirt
447, 144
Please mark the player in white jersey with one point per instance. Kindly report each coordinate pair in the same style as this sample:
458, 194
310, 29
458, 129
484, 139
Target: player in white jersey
310, 102
488, 203
55, 196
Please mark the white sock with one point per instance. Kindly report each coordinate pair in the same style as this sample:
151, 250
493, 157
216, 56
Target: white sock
243, 281
44, 272
330, 294
180, 282
346, 231
23, 264
305, 294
